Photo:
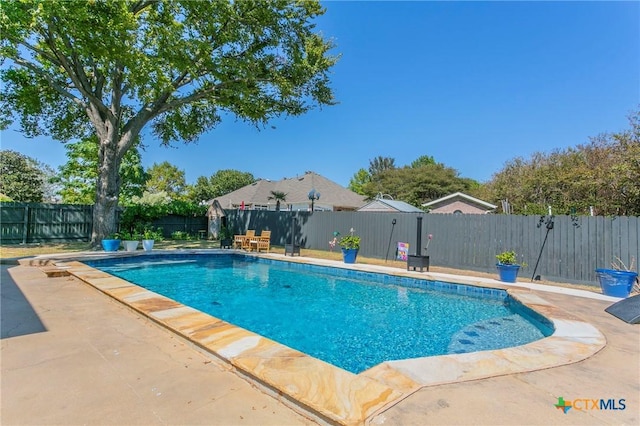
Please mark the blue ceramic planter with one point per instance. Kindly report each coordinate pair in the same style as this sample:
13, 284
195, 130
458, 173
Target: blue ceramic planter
110, 245
349, 255
508, 273
616, 283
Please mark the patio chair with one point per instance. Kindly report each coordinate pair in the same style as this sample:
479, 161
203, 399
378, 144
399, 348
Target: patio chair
263, 242
246, 241
241, 241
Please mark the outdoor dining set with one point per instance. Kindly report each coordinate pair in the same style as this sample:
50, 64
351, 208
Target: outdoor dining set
250, 241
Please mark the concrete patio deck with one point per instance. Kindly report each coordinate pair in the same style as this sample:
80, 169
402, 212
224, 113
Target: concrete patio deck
71, 355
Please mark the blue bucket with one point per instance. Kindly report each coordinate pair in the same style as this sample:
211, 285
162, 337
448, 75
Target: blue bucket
616, 283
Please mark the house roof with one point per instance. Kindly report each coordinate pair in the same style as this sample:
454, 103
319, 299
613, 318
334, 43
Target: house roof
381, 204
466, 197
297, 190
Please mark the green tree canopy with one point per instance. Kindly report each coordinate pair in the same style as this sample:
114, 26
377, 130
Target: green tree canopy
381, 164
220, 183
79, 175
200, 191
109, 68
358, 181
22, 178
167, 178
417, 185
423, 160
226, 181
602, 174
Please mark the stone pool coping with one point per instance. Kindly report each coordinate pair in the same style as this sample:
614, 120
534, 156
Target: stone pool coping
328, 393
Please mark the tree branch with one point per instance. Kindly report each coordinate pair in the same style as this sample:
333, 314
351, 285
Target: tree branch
73, 69
139, 6
57, 86
41, 52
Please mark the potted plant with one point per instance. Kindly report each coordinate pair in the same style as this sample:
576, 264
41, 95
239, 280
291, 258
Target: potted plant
226, 237
350, 245
111, 243
130, 240
619, 281
508, 266
148, 239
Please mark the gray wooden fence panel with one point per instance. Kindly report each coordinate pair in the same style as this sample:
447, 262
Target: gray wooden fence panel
574, 248
13, 222
39, 222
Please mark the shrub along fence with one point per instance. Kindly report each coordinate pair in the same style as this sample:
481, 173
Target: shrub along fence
574, 246
192, 225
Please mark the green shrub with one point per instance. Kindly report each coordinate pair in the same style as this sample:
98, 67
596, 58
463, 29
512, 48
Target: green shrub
350, 242
151, 234
509, 258
145, 214
181, 235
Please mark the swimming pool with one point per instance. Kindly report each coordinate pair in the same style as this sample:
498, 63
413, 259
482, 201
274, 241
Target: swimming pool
351, 319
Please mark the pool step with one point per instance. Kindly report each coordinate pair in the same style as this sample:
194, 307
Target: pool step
483, 335
54, 271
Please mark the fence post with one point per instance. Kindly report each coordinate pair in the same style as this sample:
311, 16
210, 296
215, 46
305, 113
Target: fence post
25, 224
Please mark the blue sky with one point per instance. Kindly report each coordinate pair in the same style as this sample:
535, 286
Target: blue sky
473, 84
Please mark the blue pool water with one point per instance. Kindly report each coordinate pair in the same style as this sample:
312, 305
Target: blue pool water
354, 321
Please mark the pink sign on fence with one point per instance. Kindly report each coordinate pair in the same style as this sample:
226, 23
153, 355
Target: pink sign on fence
403, 251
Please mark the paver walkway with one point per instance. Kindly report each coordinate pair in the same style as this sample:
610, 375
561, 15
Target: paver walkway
70, 355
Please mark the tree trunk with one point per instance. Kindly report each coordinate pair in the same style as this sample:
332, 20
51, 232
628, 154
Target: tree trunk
107, 192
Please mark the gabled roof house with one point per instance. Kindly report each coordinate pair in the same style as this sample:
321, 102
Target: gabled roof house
459, 203
258, 195
381, 204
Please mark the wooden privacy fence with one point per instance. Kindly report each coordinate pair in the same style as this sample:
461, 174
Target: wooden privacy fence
22, 223
574, 246
37, 222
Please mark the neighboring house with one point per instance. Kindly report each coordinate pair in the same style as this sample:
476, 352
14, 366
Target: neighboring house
258, 195
459, 203
381, 204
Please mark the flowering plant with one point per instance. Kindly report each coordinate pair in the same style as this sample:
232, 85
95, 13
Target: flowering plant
350, 241
509, 258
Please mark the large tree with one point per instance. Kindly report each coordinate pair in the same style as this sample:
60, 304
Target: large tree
109, 68
22, 178
419, 184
